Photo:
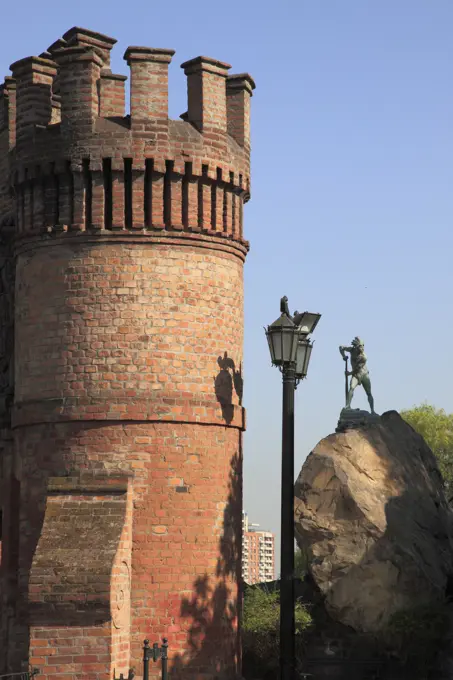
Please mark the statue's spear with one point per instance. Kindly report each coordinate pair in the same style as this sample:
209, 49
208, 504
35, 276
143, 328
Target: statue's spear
345, 357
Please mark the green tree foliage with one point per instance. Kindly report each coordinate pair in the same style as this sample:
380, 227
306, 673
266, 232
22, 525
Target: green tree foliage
260, 628
262, 611
300, 564
436, 428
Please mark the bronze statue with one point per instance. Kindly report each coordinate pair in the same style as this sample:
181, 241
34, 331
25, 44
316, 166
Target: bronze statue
359, 372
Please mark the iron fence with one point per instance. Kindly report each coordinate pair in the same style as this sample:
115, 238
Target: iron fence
155, 653
23, 675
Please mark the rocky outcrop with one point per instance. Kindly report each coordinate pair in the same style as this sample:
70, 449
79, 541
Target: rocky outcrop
371, 512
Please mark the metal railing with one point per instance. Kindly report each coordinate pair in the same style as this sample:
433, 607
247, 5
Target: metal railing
155, 653
23, 675
130, 675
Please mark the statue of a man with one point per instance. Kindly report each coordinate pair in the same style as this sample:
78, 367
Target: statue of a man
359, 372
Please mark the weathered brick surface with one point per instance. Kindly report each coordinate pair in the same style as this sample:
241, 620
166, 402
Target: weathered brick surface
184, 538
122, 503
125, 323
80, 574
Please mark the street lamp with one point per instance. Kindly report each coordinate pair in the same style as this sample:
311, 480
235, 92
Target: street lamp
290, 351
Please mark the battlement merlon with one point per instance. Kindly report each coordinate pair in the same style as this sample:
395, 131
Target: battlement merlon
206, 93
34, 77
239, 89
8, 109
83, 37
79, 71
149, 82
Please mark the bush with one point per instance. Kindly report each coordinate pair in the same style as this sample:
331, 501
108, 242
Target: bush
261, 629
417, 635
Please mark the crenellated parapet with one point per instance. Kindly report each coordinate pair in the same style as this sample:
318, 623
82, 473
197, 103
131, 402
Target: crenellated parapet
79, 164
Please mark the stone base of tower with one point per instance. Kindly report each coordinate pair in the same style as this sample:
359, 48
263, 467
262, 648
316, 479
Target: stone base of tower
111, 556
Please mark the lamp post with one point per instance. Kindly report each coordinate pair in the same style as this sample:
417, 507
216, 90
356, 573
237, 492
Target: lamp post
290, 351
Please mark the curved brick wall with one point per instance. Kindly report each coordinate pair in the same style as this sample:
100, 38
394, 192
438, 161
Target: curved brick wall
126, 327
127, 412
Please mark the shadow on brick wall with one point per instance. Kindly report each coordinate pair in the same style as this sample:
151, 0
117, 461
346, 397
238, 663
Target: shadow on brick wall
215, 606
228, 380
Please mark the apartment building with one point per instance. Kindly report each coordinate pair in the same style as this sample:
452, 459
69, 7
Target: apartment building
258, 553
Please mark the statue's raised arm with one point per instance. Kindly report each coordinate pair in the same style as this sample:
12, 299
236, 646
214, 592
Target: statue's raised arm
343, 349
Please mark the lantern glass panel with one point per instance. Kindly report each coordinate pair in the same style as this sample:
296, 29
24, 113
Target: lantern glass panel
304, 348
277, 346
290, 337
282, 338
270, 342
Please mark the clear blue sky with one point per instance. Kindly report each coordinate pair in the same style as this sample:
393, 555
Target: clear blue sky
351, 212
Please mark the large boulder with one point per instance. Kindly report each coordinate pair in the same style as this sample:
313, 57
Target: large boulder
371, 512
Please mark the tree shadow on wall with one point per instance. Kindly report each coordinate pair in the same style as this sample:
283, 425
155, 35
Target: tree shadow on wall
228, 380
215, 605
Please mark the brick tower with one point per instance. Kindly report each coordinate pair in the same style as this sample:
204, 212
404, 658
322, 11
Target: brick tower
121, 335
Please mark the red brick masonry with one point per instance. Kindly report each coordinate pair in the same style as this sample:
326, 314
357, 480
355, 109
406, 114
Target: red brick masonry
121, 315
